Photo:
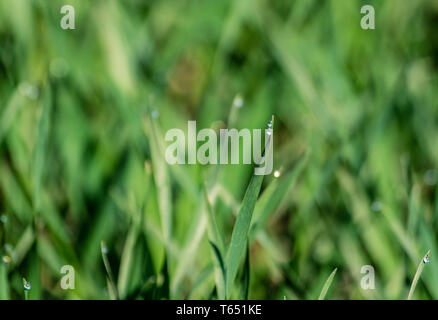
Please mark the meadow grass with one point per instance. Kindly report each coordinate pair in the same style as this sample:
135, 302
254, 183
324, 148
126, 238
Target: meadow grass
83, 181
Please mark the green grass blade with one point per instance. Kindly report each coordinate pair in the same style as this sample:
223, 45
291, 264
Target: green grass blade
26, 288
327, 285
161, 175
4, 283
216, 243
112, 290
239, 236
126, 262
23, 246
41, 148
244, 292
212, 227
420, 267
220, 271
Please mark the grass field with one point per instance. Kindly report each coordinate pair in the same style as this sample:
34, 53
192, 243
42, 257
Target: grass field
83, 181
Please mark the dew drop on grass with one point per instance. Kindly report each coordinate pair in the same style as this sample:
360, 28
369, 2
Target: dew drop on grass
28, 90
376, 206
426, 259
6, 259
104, 250
430, 177
26, 285
277, 173
238, 101
59, 67
155, 114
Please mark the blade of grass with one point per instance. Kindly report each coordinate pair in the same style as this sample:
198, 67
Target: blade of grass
244, 292
126, 262
420, 267
327, 285
41, 146
4, 283
216, 243
112, 290
240, 232
23, 246
26, 288
220, 271
161, 175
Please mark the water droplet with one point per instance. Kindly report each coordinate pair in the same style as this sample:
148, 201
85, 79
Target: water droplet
277, 173
26, 284
104, 248
238, 101
29, 90
6, 259
8, 247
269, 132
376, 206
426, 259
59, 68
430, 177
155, 114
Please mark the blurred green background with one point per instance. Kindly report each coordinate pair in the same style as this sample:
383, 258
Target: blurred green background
83, 113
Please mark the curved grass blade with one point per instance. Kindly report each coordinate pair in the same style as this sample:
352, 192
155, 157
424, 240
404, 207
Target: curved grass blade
112, 289
220, 271
41, 146
4, 282
420, 267
26, 288
126, 262
239, 236
244, 293
327, 285
161, 175
216, 243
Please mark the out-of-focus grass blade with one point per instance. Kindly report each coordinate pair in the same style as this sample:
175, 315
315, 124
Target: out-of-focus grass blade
201, 281
161, 175
23, 246
216, 243
112, 290
239, 236
4, 283
420, 267
126, 262
9, 113
220, 271
213, 229
244, 292
189, 250
41, 148
327, 285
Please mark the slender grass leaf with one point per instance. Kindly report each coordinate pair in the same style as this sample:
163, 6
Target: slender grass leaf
126, 262
220, 271
239, 236
41, 148
417, 275
327, 285
112, 290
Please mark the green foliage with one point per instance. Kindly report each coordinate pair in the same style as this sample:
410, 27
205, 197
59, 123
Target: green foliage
83, 114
